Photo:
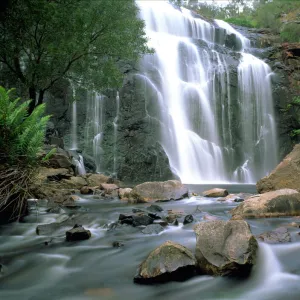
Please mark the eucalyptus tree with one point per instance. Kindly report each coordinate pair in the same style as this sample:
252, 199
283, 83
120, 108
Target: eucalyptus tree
45, 41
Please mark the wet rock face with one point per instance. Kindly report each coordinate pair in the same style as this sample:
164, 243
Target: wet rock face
285, 202
159, 191
225, 248
214, 193
168, 262
285, 176
279, 235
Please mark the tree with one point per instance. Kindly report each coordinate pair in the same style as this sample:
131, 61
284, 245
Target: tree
45, 41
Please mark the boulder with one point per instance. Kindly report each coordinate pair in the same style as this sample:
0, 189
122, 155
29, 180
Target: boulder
124, 194
153, 229
285, 202
279, 235
225, 248
108, 188
78, 233
96, 179
59, 160
215, 193
159, 191
74, 182
168, 262
86, 190
52, 174
285, 176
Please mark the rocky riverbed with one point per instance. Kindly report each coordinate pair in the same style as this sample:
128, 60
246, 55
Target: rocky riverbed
104, 266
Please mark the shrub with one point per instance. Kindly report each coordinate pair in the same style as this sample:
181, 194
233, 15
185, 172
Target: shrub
21, 138
21, 135
290, 33
242, 21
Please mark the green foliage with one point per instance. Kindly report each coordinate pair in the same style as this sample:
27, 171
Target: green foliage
21, 136
240, 21
43, 42
49, 154
290, 33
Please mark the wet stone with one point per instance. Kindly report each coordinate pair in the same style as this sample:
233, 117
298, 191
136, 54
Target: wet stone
188, 219
154, 208
153, 229
78, 233
118, 244
279, 235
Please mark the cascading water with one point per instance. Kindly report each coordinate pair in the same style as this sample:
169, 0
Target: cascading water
115, 123
74, 120
193, 87
79, 163
94, 127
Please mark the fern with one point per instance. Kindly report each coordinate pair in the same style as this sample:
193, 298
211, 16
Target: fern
21, 136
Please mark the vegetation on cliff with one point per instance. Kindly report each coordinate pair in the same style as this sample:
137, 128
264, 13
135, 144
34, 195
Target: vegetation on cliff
279, 16
43, 42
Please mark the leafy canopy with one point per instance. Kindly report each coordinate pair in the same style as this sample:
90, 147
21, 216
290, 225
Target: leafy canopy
43, 41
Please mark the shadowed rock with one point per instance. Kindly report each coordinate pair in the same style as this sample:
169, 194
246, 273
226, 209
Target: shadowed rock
168, 262
78, 233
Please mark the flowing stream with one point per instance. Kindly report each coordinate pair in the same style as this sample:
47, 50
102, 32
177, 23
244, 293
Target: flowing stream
94, 269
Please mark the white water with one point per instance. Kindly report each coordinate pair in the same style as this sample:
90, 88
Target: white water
74, 121
94, 127
115, 123
79, 163
193, 88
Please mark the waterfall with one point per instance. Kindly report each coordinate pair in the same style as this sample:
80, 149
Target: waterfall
115, 123
79, 163
208, 135
74, 120
94, 127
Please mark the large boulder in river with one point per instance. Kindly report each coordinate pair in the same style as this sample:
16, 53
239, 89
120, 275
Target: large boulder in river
159, 191
225, 248
285, 202
285, 175
168, 262
215, 193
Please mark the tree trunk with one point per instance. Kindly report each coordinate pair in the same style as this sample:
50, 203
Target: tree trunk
41, 97
32, 95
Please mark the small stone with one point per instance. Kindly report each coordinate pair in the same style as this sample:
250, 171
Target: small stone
188, 219
153, 229
118, 244
154, 208
215, 193
78, 233
142, 220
